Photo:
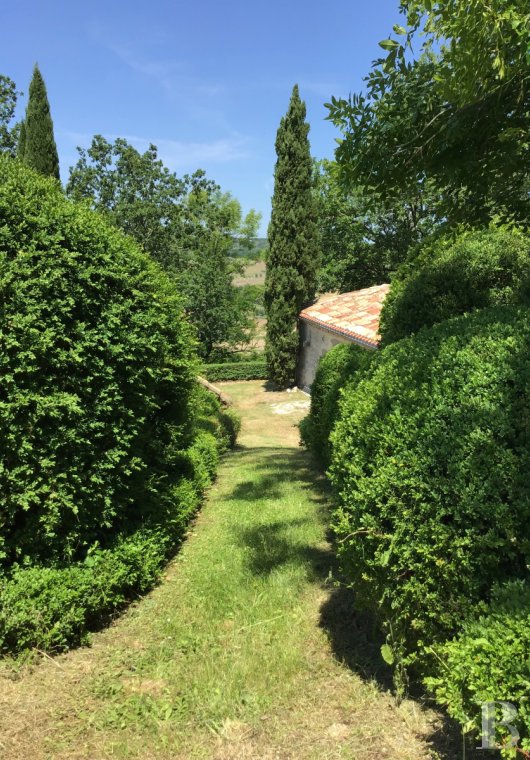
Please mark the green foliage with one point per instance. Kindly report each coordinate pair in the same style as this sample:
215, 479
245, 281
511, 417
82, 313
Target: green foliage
454, 117
252, 370
363, 242
186, 224
252, 302
8, 103
292, 261
40, 150
204, 457
492, 42
55, 607
97, 375
430, 465
165, 214
221, 313
340, 367
253, 252
225, 424
21, 144
453, 275
488, 662
231, 424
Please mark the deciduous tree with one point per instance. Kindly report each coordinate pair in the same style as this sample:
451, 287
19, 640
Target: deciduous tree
456, 115
8, 102
363, 241
187, 224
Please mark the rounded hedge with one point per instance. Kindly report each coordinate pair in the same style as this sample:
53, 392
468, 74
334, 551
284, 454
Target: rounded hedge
430, 466
343, 364
97, 369
55, 607
451, 276
489, 662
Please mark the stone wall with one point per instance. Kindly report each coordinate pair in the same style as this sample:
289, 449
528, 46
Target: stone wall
314, 342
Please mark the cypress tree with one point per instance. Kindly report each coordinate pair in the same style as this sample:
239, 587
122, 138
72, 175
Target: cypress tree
40, 150
293, 243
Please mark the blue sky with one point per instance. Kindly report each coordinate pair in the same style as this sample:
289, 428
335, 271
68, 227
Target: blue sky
207, 82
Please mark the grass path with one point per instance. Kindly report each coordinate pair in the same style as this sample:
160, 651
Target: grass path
232, 656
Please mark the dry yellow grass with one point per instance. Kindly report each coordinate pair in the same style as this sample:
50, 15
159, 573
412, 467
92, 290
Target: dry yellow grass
253, 274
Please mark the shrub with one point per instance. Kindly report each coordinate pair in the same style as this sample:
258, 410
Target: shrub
224, 424
204, 456
231, 423
342, 365
54, 608
431, 455
489, 662
255, 370
223, 355
97, 371
453, 276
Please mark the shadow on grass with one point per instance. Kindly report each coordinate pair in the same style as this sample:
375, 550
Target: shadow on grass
354, 636
272, 546
273, 469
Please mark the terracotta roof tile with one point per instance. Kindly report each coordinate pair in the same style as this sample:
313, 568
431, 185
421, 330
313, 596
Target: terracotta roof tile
354, 315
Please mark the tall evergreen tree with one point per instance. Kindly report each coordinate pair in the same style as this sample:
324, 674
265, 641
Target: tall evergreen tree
292, 262
40, 150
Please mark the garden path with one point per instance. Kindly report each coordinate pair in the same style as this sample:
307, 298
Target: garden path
245, 650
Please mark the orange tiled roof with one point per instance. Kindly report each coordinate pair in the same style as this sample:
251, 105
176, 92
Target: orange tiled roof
354, 315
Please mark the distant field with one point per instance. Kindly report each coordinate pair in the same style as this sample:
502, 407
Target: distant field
253, 274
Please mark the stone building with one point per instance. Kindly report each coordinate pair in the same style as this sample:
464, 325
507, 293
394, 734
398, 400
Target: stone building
345, 318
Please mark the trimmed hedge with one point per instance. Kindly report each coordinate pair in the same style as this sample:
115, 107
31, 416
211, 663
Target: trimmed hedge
55, 607
235, 371
97, 376
108, 443
451, 276
224, 424
489, 661
430, 466
341, 366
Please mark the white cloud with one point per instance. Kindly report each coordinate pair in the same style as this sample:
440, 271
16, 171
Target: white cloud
172, 76
178, 154
181, 154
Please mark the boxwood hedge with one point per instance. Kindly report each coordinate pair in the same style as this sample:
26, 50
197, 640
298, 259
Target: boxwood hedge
54, 607
97, 370
453, 275
342, 365
108, 442
252, 370
489, 661
431, 455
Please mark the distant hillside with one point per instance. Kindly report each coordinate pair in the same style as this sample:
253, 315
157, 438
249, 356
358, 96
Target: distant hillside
259, 245
253, 274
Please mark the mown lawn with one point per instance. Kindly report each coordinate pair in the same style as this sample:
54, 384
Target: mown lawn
245, 650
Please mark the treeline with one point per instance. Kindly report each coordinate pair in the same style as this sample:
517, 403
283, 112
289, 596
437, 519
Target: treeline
187, 224
426, 441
